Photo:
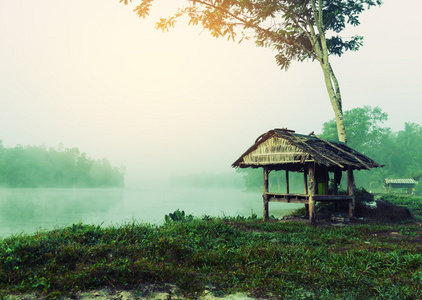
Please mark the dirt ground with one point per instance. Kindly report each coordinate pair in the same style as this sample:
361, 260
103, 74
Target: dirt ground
147, 292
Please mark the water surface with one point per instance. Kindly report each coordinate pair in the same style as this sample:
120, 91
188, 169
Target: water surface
29, 210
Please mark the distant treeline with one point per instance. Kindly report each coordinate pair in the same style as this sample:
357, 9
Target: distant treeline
400, 152
37, 166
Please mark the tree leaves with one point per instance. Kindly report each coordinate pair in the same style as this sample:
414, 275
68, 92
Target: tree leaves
142, 10
288, 26
337, 46
291, 27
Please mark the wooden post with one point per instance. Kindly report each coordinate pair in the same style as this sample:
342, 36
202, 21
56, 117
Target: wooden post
311, 170
305, 181
350, 191
327, 179
307, 211
336, 180
265, 196
287, 182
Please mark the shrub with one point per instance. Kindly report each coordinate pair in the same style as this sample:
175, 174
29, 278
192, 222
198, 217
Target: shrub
178, 216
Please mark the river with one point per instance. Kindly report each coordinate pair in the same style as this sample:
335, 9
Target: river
29, 210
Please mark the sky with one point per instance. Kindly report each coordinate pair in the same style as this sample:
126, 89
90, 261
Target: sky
93, 75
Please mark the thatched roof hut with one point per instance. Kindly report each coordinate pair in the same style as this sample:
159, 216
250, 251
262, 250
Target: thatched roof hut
283, 149
406, 183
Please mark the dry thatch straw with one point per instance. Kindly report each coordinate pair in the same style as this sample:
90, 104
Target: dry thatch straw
284, 149
276, 151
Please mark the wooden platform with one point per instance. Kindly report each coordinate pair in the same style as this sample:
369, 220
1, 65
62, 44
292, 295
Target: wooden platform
304, 198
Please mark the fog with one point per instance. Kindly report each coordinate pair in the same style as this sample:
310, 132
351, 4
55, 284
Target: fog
93, 75
29, 210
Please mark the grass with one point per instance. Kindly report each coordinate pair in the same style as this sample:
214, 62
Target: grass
274, 259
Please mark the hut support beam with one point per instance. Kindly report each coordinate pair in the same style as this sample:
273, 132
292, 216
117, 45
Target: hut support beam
264, 196
350, 181
287, 182
305, 184
311, 172
337, 178
327, 179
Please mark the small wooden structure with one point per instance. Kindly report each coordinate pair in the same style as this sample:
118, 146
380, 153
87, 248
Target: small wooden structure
407, 183
283, 149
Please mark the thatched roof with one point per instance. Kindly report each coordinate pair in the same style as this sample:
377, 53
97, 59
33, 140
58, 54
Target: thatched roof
401, 181
282, 149
397, 183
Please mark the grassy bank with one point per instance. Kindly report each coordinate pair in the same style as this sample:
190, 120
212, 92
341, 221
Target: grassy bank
224, 255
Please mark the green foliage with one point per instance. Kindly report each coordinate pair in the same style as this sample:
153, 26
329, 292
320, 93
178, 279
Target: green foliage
32, 166
178, 216
400, 152
364, 128
284, 260
418, 189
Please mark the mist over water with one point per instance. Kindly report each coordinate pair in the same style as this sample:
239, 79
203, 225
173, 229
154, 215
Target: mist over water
29, 210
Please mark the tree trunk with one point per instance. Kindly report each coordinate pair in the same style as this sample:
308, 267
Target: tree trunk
335, 97
320, 46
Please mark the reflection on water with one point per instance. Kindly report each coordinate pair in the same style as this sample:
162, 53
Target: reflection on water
27, 210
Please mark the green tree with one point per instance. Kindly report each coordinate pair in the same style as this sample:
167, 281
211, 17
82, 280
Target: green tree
295, 29
364, 126
367, 135
400, 152
35, 166
409, 144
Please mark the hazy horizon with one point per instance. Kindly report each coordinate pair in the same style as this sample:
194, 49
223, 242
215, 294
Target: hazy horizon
95, 76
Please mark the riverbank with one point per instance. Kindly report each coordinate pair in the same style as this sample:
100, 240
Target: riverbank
215, 257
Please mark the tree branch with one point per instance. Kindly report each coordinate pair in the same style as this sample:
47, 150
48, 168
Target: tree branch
274, 36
